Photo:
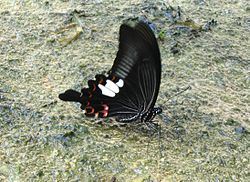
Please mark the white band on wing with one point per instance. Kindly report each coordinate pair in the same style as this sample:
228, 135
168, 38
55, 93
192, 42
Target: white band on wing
106, 91
112, 86
120, 83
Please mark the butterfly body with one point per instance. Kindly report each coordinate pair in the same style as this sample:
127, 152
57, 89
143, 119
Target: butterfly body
130, 89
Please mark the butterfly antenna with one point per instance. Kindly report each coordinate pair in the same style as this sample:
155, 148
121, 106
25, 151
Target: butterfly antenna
156, 128
184, 90
152, 126
160, 150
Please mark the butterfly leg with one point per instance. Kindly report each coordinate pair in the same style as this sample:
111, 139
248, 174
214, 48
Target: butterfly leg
152, 126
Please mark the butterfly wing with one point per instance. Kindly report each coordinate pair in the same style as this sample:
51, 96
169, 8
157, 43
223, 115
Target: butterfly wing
138, 62
132, 85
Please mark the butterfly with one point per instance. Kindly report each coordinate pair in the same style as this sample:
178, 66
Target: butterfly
130, 89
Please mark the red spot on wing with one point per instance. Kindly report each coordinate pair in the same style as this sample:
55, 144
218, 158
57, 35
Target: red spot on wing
101, 81
103, 114
105, 107
90, 95
94, 88
89, 110
113, 78
100, 110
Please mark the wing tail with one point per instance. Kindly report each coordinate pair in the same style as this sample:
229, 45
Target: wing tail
71, 96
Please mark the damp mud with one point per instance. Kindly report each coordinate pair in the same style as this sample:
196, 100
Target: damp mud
47, 47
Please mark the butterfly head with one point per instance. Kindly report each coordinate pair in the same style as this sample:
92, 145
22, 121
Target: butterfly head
157, 110
149, 116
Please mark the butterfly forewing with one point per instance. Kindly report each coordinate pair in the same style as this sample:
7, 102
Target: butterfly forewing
138, 47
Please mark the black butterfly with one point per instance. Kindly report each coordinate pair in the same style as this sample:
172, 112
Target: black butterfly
130, 90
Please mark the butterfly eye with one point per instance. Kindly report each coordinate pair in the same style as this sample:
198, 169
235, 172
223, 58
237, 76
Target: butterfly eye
157, 110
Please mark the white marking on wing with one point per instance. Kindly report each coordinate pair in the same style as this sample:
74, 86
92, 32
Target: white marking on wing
120, 83
106, 91
112, 86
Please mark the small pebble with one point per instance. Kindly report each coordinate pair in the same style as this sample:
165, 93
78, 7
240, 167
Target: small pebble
239, 130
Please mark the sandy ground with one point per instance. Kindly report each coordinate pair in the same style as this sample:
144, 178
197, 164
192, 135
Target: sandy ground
47, 47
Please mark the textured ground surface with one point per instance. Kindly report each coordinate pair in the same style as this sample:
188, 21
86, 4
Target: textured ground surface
204, 131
